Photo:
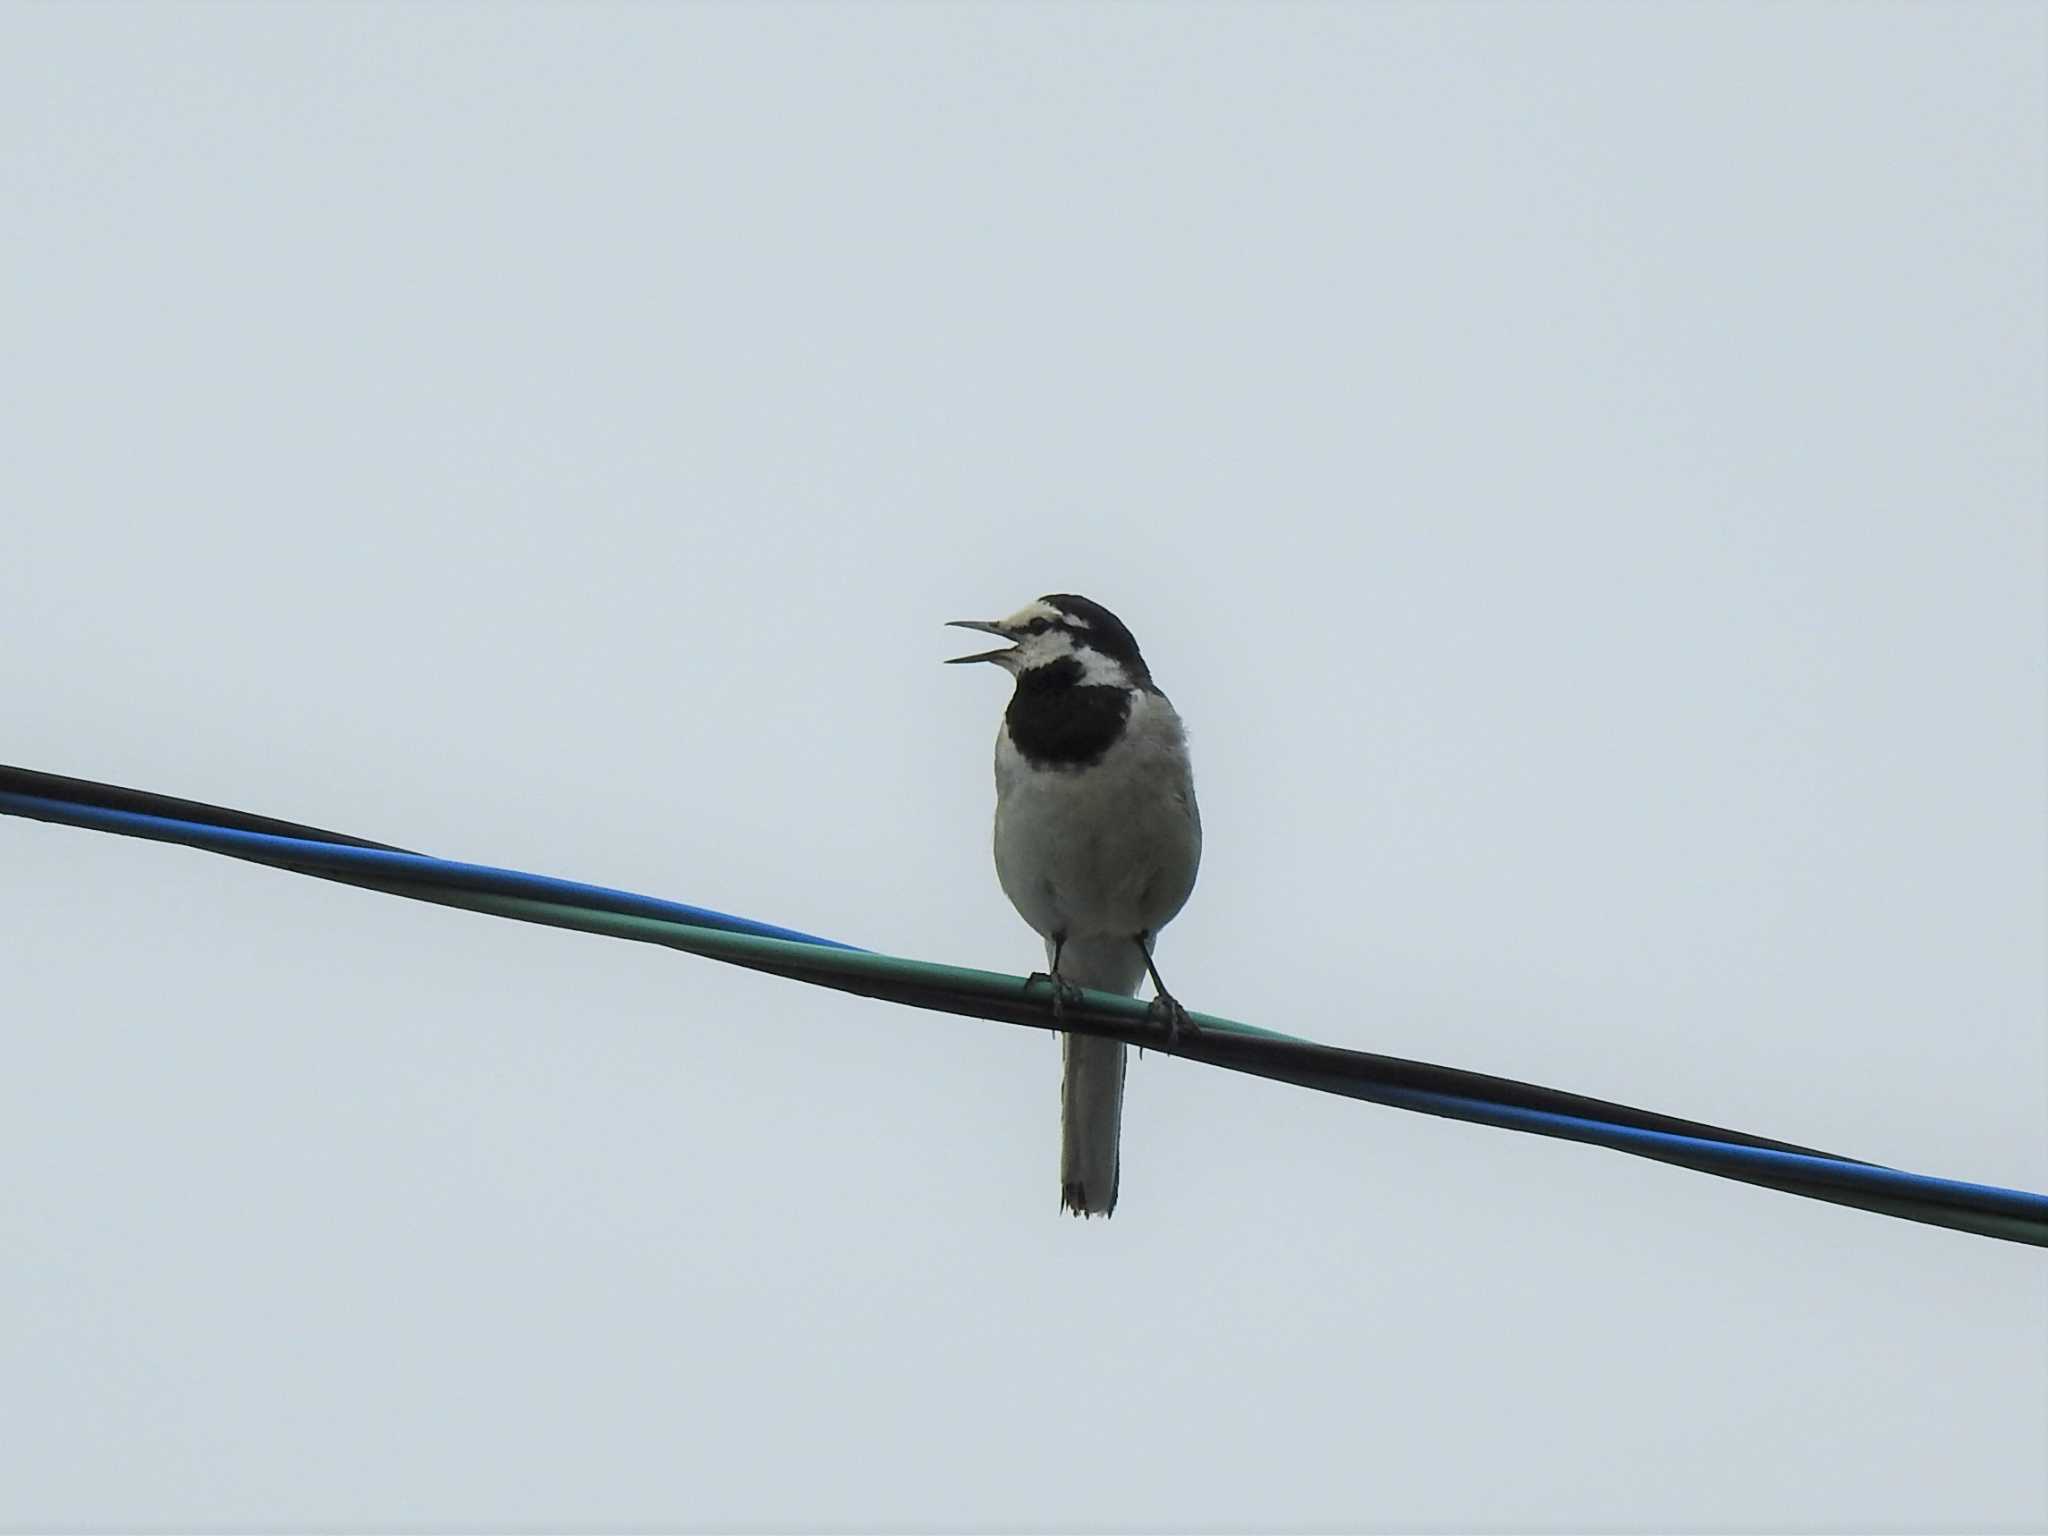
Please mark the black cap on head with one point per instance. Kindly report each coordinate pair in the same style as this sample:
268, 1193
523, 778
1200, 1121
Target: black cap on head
1104, 631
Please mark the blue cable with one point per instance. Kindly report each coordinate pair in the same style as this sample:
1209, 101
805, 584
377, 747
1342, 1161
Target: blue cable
1843, 1174
1803, 1167
478, 877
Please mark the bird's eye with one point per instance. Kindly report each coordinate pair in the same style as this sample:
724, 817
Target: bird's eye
1038, 626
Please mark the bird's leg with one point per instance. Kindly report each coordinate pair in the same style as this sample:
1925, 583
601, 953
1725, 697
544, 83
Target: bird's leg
1064, 992
1165, 1006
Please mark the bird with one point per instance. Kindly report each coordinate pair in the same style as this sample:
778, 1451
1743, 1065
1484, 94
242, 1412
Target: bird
1097, 842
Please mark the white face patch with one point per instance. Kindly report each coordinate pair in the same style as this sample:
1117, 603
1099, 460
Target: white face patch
1039, 649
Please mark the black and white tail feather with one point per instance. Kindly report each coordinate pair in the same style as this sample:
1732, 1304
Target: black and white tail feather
1097, 840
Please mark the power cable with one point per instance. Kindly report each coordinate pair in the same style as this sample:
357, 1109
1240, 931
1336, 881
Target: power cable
1451, 1093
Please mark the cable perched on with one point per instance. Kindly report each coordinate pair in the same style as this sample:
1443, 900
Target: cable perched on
2009, 1214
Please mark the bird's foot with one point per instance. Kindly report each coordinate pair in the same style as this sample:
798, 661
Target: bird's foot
1167, 1011
1065, 994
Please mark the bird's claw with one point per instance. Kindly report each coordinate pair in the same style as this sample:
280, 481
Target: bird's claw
1168, 1012
1065, 994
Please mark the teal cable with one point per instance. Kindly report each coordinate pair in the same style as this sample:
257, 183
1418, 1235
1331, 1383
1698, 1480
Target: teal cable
2013, 1215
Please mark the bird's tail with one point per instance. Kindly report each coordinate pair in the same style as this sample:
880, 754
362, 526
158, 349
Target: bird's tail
1092, 1079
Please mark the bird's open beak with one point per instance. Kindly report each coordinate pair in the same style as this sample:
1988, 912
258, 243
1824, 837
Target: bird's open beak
986, 628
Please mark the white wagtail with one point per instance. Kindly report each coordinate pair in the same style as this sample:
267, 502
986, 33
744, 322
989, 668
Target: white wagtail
1097, 842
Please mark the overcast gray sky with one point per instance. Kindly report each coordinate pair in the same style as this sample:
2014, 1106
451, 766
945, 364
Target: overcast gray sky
1578, 469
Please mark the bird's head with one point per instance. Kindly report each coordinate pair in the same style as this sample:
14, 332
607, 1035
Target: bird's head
1066, 632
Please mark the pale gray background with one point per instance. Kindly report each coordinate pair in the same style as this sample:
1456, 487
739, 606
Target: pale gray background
1579, 471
